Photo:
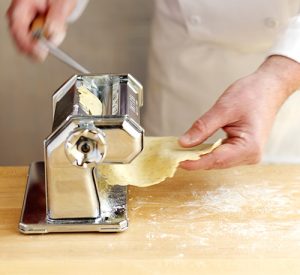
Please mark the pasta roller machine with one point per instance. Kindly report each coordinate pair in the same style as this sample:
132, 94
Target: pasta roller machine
95, 121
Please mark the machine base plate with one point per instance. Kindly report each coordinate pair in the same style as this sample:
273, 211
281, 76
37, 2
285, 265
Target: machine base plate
34, 213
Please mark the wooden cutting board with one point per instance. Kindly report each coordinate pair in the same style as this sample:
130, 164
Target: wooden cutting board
237, 221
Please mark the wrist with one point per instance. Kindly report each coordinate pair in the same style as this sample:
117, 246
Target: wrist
283, 71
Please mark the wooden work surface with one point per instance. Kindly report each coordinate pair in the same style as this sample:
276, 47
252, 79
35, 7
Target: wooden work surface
237, 221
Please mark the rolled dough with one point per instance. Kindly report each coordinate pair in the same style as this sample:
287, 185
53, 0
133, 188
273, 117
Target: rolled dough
89, 102
158, 161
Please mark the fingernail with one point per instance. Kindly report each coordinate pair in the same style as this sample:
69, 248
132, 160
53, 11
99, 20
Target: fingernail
40, 52
189, 138
186, 139
42, 56
57, 38
55, 32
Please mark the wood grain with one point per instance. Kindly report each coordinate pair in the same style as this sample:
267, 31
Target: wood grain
236, 221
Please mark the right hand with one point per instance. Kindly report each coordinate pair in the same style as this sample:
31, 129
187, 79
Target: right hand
22, 13
245, 111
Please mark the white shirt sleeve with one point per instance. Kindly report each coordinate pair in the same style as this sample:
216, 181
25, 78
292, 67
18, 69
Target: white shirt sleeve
80, 7
288, 41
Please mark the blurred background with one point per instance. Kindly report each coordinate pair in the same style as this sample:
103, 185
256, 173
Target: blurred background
111, 36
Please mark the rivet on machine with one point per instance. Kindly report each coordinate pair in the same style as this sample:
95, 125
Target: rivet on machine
63, 193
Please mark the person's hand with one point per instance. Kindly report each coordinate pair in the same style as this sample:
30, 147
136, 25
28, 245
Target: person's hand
22, 13
245, 111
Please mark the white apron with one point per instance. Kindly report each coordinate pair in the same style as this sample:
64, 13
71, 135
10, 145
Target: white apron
199, 48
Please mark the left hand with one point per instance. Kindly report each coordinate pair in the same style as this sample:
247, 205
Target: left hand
245, 111
21, 15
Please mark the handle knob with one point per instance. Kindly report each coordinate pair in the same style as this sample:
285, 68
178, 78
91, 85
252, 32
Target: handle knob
86, 146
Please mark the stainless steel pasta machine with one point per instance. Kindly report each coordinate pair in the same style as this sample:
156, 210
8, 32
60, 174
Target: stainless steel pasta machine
66, 193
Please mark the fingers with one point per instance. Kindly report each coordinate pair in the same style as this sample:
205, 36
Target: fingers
204, 127
227, 155
20, 15
56, 20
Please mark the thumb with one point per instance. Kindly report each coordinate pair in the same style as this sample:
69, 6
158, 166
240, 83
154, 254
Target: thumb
203, 127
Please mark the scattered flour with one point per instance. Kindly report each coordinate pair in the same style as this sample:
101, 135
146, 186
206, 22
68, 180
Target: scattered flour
245, 219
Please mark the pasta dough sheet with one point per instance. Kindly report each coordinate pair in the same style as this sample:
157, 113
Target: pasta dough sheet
158, 161
89, 102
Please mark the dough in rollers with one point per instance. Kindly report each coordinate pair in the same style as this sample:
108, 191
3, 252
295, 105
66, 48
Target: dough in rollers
158, 161
89, 102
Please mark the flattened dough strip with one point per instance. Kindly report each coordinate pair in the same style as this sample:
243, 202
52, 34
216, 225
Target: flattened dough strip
158, 161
